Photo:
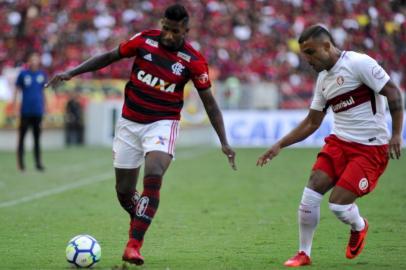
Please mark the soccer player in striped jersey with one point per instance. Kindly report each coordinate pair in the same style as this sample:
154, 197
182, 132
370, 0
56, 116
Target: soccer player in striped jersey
354, 86
146, 133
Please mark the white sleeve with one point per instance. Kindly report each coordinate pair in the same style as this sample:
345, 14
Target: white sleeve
318, 101
370, 72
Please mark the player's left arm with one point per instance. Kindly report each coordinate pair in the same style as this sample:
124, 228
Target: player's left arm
92, 64
216, 120
46, 104
395, 102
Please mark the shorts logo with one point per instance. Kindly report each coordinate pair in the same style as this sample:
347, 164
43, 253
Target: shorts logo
177, 68
161, 140
363, 184
141, 206
340, 80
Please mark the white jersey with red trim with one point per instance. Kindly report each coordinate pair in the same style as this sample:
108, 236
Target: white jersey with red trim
351, 88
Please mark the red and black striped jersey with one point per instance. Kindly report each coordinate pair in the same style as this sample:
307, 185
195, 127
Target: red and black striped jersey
158, 77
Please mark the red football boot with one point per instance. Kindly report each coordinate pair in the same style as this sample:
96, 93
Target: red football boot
132, 252
357, 242
300, 259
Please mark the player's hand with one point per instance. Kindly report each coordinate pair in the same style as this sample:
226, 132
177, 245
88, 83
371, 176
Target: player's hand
15, 110
270, 154
58, 78
395, 145
229, 152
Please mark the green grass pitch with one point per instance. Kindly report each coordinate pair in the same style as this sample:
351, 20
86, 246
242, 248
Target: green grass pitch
210, 217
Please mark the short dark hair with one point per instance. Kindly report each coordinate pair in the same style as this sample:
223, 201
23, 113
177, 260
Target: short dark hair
315, 31
30, 53
177, 13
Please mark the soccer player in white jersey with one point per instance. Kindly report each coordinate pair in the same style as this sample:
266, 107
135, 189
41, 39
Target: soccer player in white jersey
356, 153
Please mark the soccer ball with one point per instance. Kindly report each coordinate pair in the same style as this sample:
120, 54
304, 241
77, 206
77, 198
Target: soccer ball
83, 251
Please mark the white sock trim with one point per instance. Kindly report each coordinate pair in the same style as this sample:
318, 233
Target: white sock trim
311, 197
339, 207
348, 214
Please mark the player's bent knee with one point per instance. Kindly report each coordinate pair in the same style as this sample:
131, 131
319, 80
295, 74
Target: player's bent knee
320, 182
340, 195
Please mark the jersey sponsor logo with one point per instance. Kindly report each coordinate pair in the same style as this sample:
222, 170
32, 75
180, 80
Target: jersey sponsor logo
363, 184
177, 68
184, 56
203, 78
155, 82
151, 42
340, 80
148, 57
141, 207
378, 72
343, 104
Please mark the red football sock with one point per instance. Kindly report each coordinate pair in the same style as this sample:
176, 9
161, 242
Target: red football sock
146, 206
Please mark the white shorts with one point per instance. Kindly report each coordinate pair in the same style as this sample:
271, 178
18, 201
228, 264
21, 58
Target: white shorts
132, 141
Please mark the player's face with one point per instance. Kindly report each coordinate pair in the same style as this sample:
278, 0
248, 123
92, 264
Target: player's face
34, 61
316, 53
172, 33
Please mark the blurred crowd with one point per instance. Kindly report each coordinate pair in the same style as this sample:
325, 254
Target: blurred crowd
250, 40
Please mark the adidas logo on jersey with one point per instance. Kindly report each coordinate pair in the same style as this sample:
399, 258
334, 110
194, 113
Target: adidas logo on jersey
155, 82
148, 57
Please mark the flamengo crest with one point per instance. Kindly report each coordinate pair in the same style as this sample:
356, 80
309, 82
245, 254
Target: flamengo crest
177, 68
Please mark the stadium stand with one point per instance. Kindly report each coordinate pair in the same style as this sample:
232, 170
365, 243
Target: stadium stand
250, 40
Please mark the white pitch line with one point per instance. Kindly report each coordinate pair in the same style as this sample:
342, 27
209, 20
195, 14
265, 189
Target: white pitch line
88, 181
49, 192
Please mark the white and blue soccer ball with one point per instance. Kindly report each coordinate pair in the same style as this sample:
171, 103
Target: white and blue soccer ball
83, 251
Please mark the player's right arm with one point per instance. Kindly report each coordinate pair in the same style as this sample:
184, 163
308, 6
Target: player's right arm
92, 64
17, 87
307, 127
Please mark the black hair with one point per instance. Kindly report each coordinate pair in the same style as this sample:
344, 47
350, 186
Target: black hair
30, 53
315, 31
177, 13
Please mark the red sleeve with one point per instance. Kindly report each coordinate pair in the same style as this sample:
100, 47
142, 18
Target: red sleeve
129, 47
200, 75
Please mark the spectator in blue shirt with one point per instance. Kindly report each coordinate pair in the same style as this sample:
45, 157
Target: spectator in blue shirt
31, 83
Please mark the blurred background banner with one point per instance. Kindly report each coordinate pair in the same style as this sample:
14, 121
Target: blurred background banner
263, 128
250, 45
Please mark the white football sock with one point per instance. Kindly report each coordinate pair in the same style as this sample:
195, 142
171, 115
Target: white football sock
349, 214
309, 216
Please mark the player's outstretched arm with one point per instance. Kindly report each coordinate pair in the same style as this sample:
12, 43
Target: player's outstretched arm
309, 125
395, 103
216, 120
94, 63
